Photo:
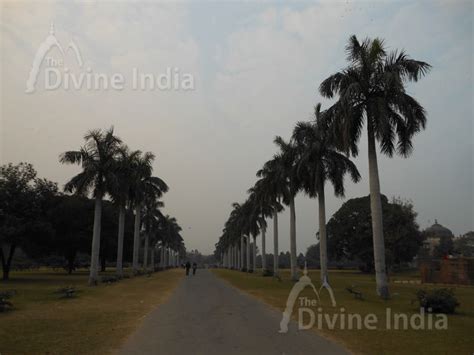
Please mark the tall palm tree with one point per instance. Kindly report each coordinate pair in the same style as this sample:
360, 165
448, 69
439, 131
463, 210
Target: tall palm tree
319, 162
97, 158
151, 222
287, 168
275, 187
170, 233
144, 186
372, 88
263, 204
120, 193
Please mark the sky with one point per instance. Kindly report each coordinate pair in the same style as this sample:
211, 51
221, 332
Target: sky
255, 70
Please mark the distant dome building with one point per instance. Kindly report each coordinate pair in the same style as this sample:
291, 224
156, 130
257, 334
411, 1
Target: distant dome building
434, 234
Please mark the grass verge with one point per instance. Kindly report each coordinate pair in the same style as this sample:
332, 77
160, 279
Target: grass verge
97, 321
457, 339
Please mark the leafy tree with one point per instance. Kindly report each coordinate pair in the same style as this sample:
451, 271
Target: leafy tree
444, 248
372, 89
71, 218
350, 232
313, 256
24, 199
464, 245
301, 260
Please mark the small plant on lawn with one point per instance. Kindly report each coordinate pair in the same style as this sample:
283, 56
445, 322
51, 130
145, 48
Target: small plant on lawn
67, 292
439, 300
267, 273
5, 304
110, 279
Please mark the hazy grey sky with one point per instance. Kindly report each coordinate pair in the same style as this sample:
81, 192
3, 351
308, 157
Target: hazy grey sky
256, 69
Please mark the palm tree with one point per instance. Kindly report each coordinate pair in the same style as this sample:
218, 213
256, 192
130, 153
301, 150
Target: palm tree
287, 158
151, 222
275, 188
372, 88
97, 158
319, 162
263, 206
120, 192
144, 186
170, 234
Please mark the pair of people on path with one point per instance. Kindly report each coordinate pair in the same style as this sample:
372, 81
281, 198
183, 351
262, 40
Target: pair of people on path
188, 266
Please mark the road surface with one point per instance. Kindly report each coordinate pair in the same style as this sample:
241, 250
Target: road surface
205, 315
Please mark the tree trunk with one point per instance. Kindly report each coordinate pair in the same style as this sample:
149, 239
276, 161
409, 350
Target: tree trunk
254, 254
322, 235
152, 259
7, 261
95, 249
275, 243
103, 264
377, 219
145, 253
136, 240
161, 256
264, 253
239, 254
248, 253
121, 230
70, 259
294, 271
242, 253
233, 256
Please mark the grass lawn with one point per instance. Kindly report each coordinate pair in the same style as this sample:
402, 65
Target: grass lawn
96, 321
457, 339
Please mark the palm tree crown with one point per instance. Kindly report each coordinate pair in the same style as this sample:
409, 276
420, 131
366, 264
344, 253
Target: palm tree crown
97, 158
372, 88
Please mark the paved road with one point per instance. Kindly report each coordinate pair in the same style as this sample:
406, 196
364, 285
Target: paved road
205, 315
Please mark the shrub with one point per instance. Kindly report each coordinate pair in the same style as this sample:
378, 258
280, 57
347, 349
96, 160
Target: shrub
5, 304
440, 300
267, 273
110, 279
67, 292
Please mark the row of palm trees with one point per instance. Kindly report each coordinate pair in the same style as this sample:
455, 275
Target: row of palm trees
111, 169
370, 92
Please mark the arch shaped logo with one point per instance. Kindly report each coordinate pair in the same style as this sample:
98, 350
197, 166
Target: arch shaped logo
299, 286
49, 43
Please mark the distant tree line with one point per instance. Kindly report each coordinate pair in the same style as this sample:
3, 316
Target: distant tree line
122, 220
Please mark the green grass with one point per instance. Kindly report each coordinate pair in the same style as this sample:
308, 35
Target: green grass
95, 322
457, 339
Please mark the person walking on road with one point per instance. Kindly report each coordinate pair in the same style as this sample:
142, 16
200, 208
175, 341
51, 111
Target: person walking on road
188, 266
194, 268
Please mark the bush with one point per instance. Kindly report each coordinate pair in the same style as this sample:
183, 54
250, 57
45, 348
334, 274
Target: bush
440, 300
110, 279
267, 273
5, 304
67, 292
